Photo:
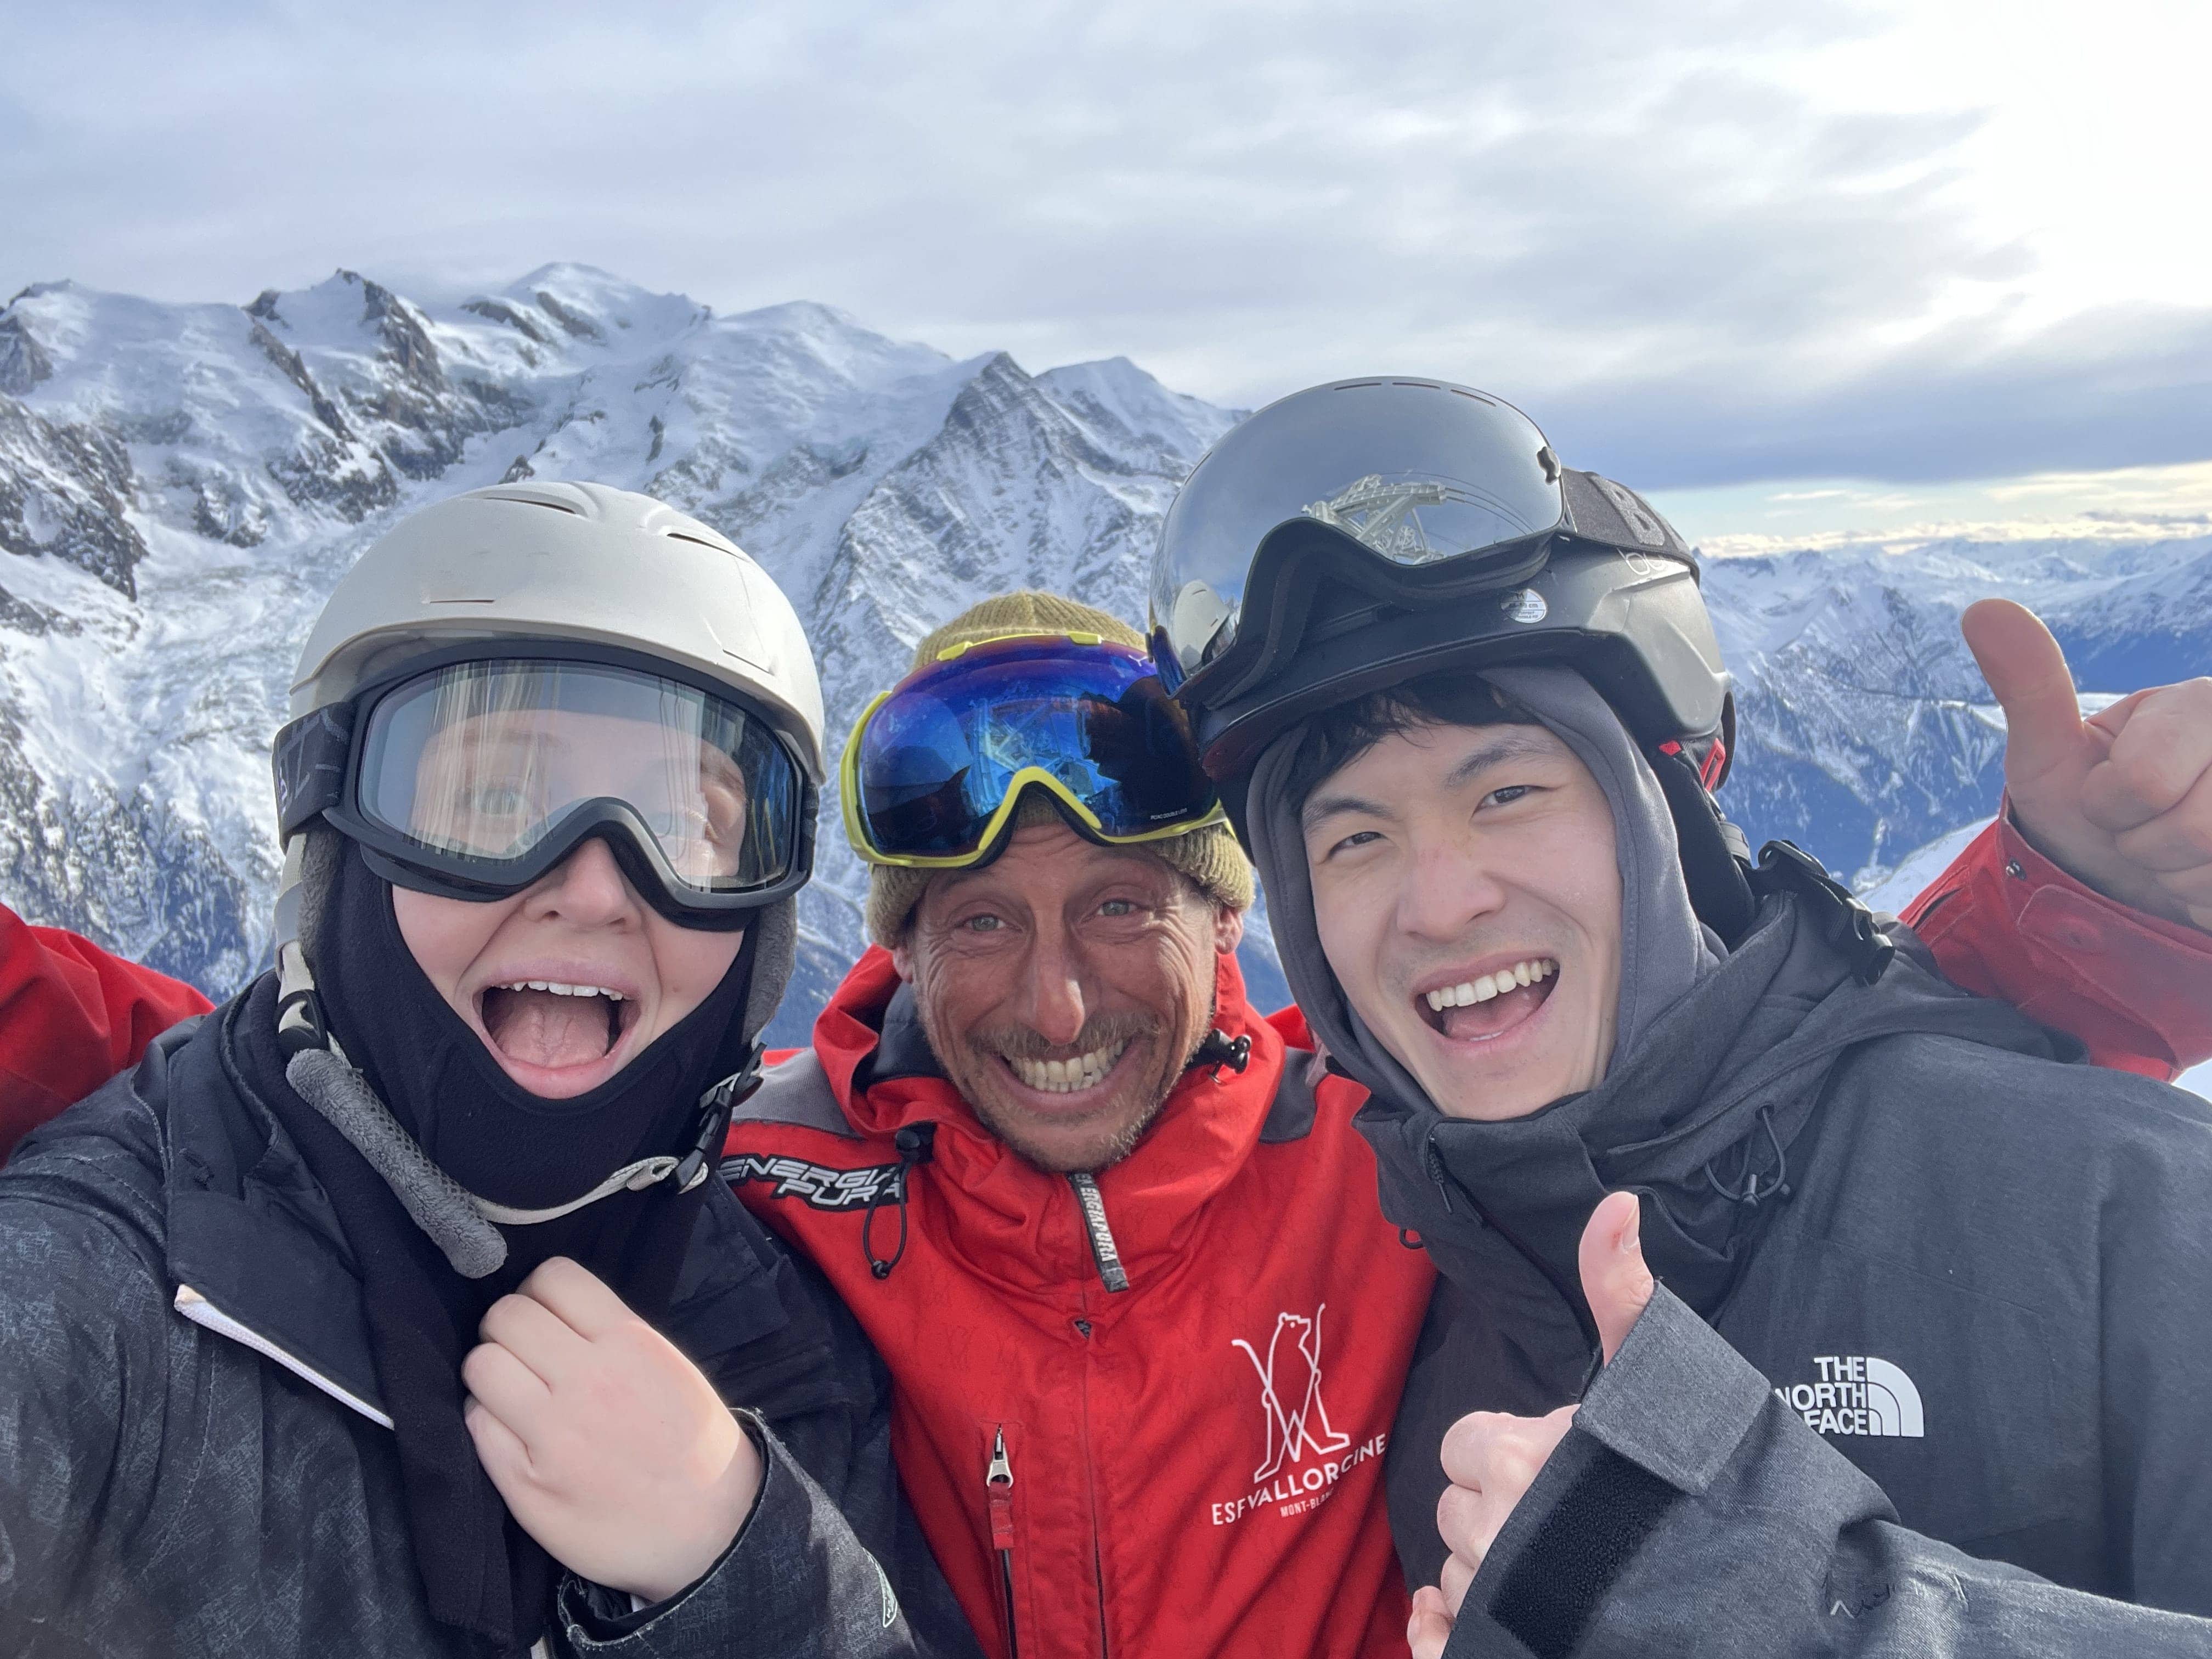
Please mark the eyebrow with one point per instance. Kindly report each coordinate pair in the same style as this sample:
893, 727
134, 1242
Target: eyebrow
1510, 744
1522, 742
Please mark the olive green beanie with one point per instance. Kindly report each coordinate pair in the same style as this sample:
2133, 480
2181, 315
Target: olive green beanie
1210, 856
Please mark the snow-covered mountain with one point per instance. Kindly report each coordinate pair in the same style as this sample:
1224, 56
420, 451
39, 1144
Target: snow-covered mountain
181, 485
1867, 731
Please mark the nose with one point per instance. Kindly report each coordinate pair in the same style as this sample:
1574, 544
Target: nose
1448, 884
1053, 1004
587, 888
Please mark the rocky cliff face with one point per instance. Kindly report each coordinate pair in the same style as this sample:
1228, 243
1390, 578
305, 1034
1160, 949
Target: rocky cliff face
180, 485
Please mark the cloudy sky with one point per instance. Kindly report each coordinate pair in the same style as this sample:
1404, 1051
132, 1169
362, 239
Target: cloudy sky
1805, 267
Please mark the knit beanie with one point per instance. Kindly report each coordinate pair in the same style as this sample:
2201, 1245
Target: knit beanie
1209, 856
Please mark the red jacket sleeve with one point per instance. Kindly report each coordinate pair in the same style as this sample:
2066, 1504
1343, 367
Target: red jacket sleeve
71, 1017
2004, 921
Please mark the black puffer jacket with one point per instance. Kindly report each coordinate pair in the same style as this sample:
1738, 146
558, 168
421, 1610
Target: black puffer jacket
193, 1459
1981, 1275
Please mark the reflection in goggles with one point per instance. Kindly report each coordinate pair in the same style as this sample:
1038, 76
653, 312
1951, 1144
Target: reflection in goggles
933, 764
485, 760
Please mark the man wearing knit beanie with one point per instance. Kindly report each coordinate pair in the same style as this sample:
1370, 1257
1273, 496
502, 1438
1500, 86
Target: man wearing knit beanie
1152, 1002
1084, 1199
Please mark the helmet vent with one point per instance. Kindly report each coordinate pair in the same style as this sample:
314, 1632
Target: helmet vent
696, 541
537, 501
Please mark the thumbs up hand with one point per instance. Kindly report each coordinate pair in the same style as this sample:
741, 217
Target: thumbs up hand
1493, 1459
2121, 801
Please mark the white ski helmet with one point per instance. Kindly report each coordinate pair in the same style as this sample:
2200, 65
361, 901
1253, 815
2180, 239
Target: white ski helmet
580, 576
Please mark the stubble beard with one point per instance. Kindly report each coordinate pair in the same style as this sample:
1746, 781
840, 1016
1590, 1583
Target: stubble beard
974, 1067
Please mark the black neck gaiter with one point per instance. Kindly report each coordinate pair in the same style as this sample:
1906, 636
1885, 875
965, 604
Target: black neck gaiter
480, 1571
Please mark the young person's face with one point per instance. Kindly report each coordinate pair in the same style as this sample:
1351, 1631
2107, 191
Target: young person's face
627, 974
1472, 867
1064, 986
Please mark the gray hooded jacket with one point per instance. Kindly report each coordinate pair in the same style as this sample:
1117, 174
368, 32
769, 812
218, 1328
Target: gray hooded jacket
1929, 1373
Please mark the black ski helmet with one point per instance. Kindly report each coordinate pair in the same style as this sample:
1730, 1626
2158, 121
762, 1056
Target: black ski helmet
1365, 533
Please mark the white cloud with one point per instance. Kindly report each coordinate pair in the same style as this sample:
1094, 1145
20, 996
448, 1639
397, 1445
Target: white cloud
1702, 241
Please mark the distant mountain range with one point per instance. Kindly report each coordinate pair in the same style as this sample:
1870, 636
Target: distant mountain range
182, 485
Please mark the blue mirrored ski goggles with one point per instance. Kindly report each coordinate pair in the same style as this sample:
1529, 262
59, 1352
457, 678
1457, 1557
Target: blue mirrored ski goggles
937, 765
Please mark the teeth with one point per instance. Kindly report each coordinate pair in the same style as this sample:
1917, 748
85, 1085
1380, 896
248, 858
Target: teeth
1482, 988
561, 990
1065, 1076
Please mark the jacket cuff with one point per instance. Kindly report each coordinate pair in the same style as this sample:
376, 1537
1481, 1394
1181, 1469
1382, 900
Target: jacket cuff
1660, 1424
793, 1585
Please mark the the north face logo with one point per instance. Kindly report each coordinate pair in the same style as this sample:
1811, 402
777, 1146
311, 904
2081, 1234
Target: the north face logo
1858, 1394
1305, 1454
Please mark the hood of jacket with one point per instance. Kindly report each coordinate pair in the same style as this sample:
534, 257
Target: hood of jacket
997, 1204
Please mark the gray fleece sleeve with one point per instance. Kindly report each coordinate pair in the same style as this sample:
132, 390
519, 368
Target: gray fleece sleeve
1689, 1512
795, 1583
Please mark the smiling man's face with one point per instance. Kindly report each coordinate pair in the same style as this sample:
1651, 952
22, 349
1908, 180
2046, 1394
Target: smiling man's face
1468, 899
1064, 986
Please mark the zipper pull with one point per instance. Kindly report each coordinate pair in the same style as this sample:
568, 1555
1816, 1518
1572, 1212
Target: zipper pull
999, 1485
1435, 1162
1103, 1250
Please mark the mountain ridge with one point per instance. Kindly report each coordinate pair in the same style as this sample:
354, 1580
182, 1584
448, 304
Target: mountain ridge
179, 486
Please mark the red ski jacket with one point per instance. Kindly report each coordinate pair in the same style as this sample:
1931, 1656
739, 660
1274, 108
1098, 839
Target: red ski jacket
71, 1017
1145, 1418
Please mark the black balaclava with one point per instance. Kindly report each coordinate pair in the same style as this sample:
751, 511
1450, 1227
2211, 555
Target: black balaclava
1664, 949
481, 1571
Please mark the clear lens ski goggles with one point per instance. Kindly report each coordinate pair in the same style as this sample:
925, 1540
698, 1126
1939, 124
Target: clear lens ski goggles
937, 764
474, 778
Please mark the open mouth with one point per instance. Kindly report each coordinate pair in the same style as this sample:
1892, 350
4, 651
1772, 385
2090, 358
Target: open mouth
1490, 1004
547, 1024
1067, 1077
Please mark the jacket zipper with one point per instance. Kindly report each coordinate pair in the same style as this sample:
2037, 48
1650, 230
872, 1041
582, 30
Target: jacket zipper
204, 1313
1091, 1484
999, 1489
1103, 1250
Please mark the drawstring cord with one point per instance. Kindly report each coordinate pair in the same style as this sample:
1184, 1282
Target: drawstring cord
917, 1145
1752, 1189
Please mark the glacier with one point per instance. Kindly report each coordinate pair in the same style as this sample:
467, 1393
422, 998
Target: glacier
181, 484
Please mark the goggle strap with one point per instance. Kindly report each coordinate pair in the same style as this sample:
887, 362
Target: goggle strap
309, 759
